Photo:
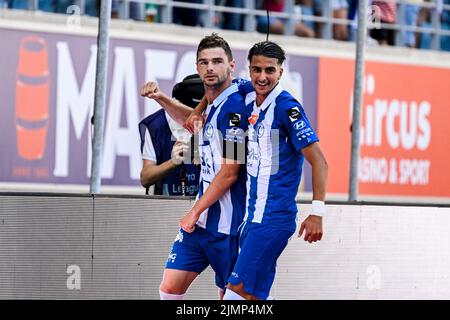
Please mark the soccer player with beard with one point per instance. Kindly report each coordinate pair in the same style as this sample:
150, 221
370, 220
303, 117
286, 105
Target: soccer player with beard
209, 231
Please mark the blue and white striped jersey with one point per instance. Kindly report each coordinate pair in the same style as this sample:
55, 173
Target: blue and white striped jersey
225, 125
278, 131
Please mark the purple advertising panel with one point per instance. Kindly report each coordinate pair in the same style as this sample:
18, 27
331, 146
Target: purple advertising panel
47, 101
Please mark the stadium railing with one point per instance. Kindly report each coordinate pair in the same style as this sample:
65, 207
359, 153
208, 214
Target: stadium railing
160, 11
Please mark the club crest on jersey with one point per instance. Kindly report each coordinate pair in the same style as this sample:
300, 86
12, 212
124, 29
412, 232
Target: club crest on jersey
294, 114
235, 119
260, 130
253, 118
209, 130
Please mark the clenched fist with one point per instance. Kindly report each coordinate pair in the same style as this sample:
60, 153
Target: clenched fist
151, 90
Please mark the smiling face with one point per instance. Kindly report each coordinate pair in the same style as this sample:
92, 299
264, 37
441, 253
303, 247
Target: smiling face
265, 73
214, 67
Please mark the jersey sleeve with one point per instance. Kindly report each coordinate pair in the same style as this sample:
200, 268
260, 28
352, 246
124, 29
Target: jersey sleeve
298, 128
244, 86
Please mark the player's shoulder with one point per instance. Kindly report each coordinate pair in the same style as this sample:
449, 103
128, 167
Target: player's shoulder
232, 112
155, 118
285, 101
244, 86
237, 96
234, 103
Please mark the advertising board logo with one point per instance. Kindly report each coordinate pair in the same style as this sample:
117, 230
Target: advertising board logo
32, 98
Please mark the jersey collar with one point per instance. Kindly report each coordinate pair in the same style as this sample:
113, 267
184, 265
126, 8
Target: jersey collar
225, 93
271, 97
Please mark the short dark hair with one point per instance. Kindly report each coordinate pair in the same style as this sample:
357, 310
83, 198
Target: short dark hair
189, 91
267, 49
215, 41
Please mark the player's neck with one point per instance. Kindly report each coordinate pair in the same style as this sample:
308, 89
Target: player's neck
213, 92
260, 99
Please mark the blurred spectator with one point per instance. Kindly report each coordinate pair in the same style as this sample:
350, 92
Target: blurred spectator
445, 25
339, 11
276, 25
306, 8
411, 11
352, 15
62, 5
386, 12
135, 10
233, 21
92, 8
423, 40
115, 9
187, 17
43, 5
151, 13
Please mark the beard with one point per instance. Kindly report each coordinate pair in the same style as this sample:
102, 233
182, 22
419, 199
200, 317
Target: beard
217, 80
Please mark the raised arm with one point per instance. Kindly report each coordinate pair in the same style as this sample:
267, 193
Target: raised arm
177, 110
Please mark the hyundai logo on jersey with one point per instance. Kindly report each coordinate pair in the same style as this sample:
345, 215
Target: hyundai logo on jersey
299, 125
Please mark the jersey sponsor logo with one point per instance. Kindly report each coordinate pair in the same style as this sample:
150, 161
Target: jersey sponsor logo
308, 129
294, 114
303, 135
205, 164
235, 134
253, 118
254, 153
299, 125
235, 131
235, 119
